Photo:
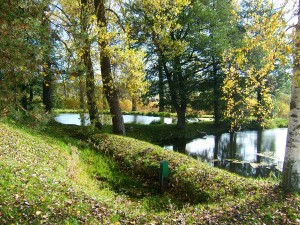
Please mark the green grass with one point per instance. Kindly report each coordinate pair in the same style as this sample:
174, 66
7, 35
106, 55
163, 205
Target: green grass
38, 181
51, 174
38, 171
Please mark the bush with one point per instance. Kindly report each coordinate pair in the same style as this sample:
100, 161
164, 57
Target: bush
282, 106
126, 105
71, 103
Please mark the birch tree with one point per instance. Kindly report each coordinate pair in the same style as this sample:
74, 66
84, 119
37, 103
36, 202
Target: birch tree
291, 168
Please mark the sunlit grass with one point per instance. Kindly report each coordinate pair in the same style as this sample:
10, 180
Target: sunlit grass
51, 180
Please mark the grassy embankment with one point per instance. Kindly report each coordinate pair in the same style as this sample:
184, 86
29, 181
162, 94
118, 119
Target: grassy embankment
52, 175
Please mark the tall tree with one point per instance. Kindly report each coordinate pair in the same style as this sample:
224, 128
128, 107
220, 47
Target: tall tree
48, 66
291, 168
223, 33
77, 33
248, 67
87, 60
23, 45
177, 32
110, 90
161, 86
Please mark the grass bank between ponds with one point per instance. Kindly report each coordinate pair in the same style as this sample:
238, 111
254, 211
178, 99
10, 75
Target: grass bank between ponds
158, 133
168, 133
214, 196
190, 180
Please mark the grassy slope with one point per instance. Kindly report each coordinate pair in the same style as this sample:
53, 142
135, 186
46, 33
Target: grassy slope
44, 180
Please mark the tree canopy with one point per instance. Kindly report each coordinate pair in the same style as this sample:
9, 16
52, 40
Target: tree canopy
231, 60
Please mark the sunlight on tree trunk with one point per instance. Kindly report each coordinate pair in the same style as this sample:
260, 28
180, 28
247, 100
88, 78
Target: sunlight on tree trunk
291, 168
110, 90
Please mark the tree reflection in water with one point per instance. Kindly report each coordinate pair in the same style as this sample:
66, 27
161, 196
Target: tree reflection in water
248, 153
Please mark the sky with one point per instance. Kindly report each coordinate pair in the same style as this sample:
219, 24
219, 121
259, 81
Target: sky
291, 8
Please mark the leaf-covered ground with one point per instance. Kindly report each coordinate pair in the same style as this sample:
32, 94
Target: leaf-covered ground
44, 180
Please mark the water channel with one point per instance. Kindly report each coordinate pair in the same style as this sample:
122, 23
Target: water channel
83, 119
248, 153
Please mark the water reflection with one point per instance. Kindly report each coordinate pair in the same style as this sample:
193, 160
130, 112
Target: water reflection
248, 153
72, 118
83, 119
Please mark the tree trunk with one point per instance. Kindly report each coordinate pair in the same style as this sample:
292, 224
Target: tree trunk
47, 90
259, 116
87, 60
31, 94
291, 168
177, 91
161, 92
181, 88
81, 91
134, 104
48, 78
24, 99
110, 90
181, 117
216, 94
90, 87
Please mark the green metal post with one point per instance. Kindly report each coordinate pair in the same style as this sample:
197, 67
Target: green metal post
164, 175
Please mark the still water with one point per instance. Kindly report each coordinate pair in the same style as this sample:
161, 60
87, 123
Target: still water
83, 119
248, 153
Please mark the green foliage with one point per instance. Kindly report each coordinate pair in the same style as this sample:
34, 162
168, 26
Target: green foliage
184, 42
25, 43
163, 133
249, 67
282, 105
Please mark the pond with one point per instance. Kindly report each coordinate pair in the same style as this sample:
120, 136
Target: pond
83, 119
248, 153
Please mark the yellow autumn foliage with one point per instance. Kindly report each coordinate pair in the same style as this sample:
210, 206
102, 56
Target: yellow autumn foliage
264, 44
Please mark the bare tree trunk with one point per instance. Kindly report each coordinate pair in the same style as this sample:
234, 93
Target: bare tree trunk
110, 90
81, 91
161, 91
48, 79
90, 76
47, 89
291, 168
134, 104
216, 94
90, 87
177, 91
